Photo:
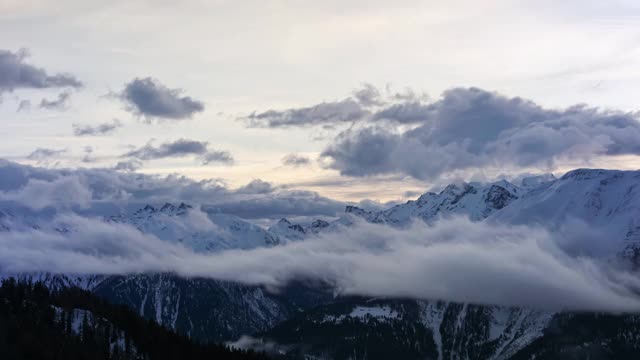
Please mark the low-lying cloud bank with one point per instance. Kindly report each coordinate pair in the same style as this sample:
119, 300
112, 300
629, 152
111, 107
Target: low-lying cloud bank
112, 191
454, 260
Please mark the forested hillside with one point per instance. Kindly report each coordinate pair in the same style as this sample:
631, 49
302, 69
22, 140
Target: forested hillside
36, 323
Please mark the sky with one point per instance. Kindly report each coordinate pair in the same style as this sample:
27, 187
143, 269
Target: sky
350, 99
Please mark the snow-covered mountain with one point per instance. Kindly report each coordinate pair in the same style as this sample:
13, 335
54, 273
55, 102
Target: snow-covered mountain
202, 308
284, 229
605, 202
197, 230
474, 200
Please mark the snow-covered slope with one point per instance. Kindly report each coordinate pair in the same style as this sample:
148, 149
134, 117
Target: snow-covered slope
474, 200
607, 202
604, 203
197, 230
284, 229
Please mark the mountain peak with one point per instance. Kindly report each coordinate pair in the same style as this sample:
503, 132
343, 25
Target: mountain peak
457, 189
352, 209
585, 174
167, 207
319, 224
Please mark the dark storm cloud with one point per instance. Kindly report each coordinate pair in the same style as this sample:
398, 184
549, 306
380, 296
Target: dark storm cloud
295, 160
15, 73
97, 130
470, 128
181, 148
151, 99
59, 103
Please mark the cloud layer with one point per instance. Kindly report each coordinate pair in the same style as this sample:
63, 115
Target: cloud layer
455, 260
16, 73
63, 192
121, 189
470, 128
149, 98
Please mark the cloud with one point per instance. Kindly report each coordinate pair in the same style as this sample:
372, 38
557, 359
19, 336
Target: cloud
246, 342
129, 165
256, 186
88, 154
122, 189
98, 130
366, 104
368, 95
408, 112
454, 260
62, 192
295, 160
411, 194
42, 154
277, 204
470, 129
59, 103
150, 99
181, 148
15, 73
217, 156
24, 105
344, 111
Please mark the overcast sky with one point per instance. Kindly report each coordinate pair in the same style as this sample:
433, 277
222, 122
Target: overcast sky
351, 98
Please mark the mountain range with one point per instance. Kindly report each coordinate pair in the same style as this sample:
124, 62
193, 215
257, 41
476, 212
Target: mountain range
309, 319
